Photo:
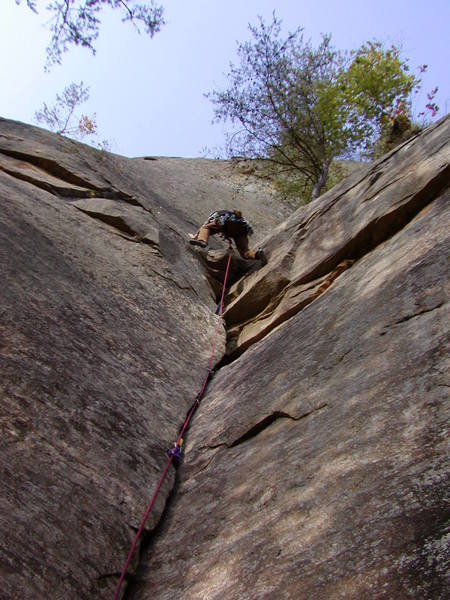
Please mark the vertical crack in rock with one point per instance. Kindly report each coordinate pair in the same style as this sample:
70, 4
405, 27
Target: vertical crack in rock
130, 586
366, 240
288, 295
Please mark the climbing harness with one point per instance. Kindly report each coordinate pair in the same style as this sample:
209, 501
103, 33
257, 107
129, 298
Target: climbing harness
176, 450
230, 221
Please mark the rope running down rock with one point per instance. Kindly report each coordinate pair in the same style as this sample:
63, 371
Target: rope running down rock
180, 435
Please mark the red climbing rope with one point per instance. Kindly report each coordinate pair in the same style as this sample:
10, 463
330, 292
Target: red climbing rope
180, 435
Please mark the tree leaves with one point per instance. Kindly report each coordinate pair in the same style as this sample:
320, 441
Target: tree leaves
298, 108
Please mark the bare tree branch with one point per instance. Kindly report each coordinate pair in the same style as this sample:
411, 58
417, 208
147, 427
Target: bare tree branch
77, 22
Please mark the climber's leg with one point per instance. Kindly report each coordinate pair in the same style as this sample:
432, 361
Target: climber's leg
245, 252
243, 249
201, 238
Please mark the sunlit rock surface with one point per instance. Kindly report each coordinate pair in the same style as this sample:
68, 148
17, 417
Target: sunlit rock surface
106, 317
315, 466
318, 243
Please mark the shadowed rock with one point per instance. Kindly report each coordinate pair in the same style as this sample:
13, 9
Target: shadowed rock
315, 466
106, 317
131, 220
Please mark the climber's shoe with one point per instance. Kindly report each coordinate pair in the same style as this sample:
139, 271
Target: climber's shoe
200, 243
261, 256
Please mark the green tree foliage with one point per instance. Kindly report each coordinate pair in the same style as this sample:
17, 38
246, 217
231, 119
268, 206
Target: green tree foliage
77, 22
299, 108
372, 90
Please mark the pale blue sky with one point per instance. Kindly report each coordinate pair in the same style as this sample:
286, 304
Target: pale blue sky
148, 93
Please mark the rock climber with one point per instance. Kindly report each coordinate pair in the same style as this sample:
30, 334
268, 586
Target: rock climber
231, 225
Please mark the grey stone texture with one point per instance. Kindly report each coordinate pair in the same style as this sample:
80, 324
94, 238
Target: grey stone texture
315, 466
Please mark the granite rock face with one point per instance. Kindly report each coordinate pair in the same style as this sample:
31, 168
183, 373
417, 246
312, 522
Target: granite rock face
317, 244
106, 316
315, 466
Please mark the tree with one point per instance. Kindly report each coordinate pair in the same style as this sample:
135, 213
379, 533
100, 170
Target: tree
299, 108
61, 117
77, 22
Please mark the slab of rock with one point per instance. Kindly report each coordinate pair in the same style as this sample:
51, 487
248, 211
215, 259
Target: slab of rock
105, 329
95, 352
200, 186
311, 248
177, 194
134, 221
315, 467
317, 464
